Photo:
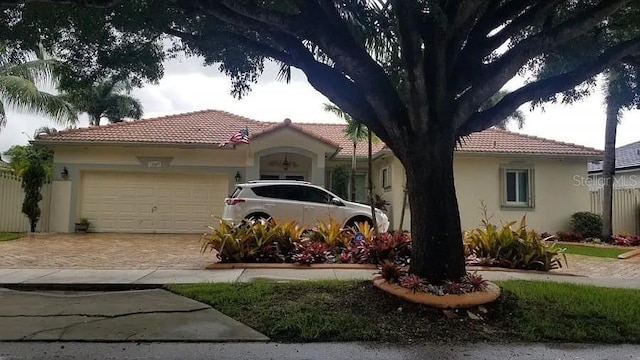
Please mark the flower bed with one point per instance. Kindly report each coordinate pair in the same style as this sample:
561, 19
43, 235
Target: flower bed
471, 290
507, 247
271, 242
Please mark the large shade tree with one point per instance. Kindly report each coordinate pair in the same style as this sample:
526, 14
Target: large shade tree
416, 72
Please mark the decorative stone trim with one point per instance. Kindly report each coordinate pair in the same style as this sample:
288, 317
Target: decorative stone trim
449, 301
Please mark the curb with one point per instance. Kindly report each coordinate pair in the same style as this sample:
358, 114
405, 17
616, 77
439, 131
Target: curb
80, 287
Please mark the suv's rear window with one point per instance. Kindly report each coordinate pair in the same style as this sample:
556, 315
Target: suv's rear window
236, 192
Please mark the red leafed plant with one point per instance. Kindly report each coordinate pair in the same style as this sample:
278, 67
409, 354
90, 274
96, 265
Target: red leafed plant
394, 246
626, 240
412, 282
474, 282
312, 252
391, 272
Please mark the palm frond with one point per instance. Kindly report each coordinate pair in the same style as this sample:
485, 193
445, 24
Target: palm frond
23, 94
121, 107
3, 116
284, 73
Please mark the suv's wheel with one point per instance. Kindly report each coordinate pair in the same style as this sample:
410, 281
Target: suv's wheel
258, 216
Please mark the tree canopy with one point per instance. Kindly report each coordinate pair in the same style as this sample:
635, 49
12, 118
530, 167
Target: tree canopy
415, 72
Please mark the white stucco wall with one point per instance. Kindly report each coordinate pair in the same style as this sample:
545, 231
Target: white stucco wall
128, 155
60, 206
557, 187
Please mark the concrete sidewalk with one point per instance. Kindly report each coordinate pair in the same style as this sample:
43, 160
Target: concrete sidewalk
143, 315
35, 278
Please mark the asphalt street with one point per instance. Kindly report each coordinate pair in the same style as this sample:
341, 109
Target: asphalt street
334, 351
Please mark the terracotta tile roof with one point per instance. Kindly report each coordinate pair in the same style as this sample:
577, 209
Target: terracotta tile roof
199, 127
211, 127
297, 127
502, 141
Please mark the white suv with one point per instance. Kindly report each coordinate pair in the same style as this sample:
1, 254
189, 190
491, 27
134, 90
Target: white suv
295, 200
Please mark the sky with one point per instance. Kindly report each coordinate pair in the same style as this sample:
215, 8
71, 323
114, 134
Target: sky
190, 86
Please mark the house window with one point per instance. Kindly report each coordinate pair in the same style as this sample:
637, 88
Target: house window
386, 178
517, 187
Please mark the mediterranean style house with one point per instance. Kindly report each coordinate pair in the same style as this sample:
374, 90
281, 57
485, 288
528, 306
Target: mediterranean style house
170, 174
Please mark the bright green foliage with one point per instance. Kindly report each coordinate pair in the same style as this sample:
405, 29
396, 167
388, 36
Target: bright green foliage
340, 181
330, 233
587, 223
21, 156
517, 248
355, 311
550, 311
252, 241
32, 180
108, 99
596, 251
20, 75
6, 236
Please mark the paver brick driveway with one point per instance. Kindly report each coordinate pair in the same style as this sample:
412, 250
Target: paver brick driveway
105, 251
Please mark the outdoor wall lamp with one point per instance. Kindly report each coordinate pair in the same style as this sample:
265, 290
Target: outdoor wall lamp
238, 176
285, 163
64, 173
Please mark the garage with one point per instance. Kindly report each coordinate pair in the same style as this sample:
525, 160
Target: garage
151, 202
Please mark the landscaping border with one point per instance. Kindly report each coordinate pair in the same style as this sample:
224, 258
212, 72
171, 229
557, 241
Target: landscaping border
448, 301
216, 266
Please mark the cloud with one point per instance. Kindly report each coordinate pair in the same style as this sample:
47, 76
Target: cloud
190, 86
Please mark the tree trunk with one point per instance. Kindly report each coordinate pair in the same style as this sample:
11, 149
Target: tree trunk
352, 178
370, 181
609, 169
437, 253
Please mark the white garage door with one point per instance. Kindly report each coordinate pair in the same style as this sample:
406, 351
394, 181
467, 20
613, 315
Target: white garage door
151, 202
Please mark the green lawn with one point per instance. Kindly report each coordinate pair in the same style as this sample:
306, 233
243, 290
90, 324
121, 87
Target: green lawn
597, 251
6, 236
357, 311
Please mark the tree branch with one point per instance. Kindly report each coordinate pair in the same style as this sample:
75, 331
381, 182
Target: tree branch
412, 56
546, 87
497, 73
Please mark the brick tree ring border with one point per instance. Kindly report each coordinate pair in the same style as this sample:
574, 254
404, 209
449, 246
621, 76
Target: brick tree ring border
448, 301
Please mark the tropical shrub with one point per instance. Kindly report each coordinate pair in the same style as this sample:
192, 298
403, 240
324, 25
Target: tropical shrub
330, 233
252, 241
506, 247
33, 179
587, 223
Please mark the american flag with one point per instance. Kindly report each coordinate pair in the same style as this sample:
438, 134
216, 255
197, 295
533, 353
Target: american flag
242, 136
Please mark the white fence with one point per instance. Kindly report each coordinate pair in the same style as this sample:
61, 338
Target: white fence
11, 196
626, 210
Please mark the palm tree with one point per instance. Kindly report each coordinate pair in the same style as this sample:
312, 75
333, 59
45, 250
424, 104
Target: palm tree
356, 131
108, 99
621, 92
20, 75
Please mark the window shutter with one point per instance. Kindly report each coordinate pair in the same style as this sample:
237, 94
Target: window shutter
530, 196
